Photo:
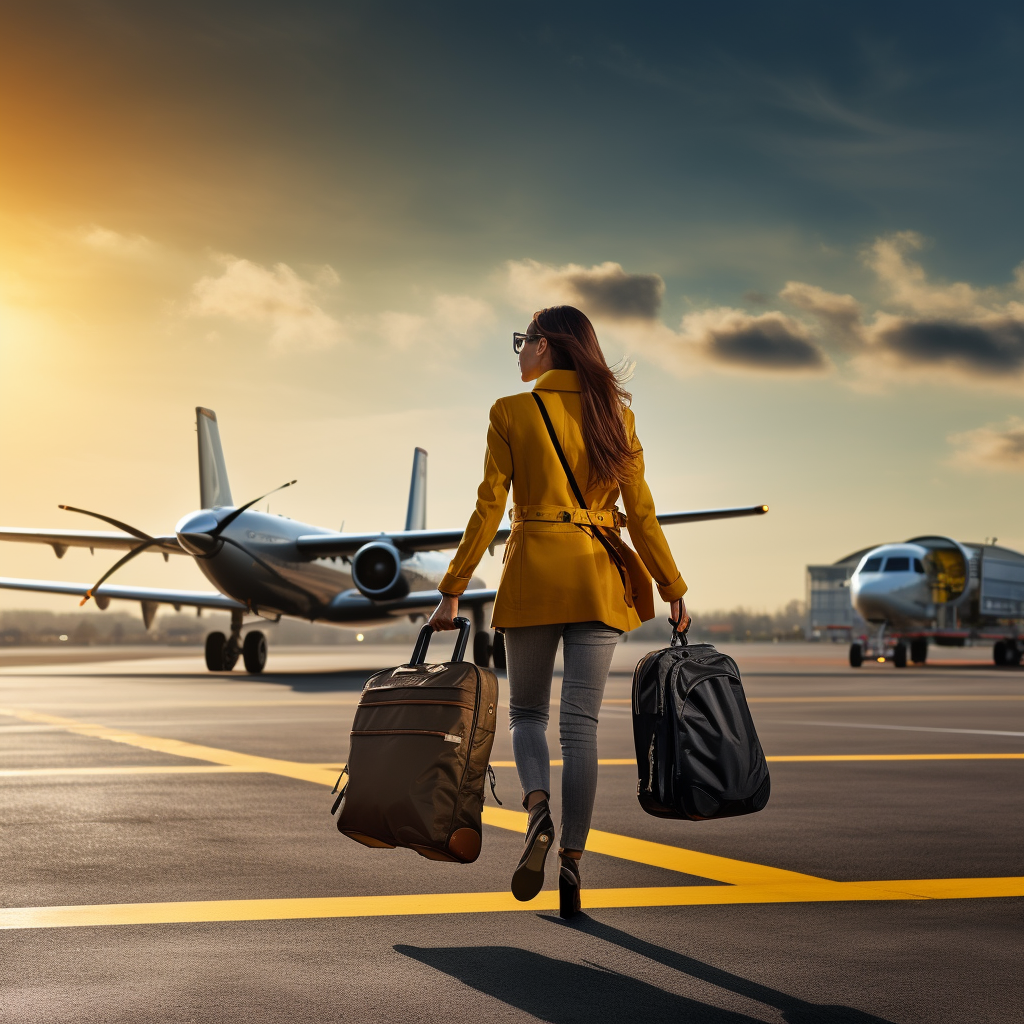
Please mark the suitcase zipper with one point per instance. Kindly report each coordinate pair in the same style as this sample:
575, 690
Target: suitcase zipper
448, 737
439, 703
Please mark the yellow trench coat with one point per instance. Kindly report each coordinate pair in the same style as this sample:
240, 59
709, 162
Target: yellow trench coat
554, 570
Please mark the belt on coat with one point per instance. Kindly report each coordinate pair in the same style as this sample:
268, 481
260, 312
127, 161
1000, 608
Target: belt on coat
607, 517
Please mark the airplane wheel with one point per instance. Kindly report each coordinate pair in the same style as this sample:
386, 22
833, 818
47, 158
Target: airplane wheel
231, 653
999, 652
856, 655
919, 651
482, 648
499, 652
215, 643
899, 655
254, 652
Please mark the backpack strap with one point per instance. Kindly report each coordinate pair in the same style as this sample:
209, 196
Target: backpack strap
596, 532
577, 493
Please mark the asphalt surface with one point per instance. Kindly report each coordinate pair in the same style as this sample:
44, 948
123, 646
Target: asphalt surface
91, 817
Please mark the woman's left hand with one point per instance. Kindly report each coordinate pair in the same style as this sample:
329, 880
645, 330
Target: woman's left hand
444, 613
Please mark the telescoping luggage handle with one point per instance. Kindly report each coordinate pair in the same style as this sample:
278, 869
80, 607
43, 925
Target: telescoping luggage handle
419, 653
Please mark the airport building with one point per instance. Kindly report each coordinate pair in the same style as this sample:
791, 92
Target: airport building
830, 613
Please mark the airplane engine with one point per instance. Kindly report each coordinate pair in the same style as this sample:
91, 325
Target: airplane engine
377, 572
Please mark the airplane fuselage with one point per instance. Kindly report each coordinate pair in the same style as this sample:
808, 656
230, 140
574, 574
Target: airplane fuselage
256, 561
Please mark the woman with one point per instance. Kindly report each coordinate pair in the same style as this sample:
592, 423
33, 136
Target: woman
559, 580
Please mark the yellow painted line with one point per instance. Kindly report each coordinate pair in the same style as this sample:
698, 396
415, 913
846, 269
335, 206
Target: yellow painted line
884, 699
721, 869
139, 769
659, 855
896, 757
860, 698
179, 748
214, 769
495, 902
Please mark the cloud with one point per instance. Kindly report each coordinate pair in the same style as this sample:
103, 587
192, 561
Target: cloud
991, 346
452, 320
840, 315
908, 285
991, 447
602, 291
769, 341
276, 297
958, 328
113, 243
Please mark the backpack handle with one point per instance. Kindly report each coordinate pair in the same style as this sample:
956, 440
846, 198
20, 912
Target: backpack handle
679, 639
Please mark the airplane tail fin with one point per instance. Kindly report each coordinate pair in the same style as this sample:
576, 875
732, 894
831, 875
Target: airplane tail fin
214, 489
416, 515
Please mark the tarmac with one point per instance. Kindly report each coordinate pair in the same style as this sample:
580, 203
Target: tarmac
168, 855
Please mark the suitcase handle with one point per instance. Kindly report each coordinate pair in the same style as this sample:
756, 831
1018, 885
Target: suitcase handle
419, 653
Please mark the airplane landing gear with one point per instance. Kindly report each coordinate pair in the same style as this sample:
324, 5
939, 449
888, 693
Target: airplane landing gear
919, 650
222, 651
899, 655
499, 652
254, 652
856, 655
215, 643
1006, 652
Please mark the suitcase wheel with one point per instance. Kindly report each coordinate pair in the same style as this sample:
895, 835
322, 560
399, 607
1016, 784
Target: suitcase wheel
465, 844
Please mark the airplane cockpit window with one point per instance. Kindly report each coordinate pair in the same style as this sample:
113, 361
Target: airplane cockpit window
897, 564
872, 565
918, 567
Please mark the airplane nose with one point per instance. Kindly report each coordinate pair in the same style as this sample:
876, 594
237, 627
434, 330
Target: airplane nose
195, 534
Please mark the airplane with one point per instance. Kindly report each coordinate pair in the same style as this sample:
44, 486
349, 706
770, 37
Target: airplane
267, 566
938, 589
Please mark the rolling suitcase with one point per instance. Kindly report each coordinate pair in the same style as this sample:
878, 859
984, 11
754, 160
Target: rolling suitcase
418, 757
697, 751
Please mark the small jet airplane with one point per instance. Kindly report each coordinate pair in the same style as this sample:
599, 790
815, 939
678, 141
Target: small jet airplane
937, 589
266, 566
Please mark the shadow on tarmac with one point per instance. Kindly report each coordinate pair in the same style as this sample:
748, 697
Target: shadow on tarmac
793, 1009
562, 992
566, 993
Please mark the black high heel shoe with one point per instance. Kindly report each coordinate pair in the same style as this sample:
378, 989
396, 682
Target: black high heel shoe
528, 879
569, 884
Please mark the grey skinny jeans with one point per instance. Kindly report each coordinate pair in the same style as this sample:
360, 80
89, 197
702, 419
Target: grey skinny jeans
587, 653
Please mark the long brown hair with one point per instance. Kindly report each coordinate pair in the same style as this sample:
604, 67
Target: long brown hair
574, 346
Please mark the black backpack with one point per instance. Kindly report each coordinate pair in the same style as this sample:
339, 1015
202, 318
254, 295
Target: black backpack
697, 751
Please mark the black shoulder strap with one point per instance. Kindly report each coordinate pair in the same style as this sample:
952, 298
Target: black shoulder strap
558, 451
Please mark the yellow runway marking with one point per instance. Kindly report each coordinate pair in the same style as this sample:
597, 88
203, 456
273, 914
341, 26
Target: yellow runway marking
896, 757
495, 902
745, 882
179, 748
860, 698
704, 865
140, 769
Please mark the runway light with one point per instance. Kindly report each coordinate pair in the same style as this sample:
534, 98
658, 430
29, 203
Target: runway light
881, 659
63, 636
359, 637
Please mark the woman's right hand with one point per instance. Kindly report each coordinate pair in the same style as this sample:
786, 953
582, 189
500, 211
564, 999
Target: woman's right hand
678, 614
444, 613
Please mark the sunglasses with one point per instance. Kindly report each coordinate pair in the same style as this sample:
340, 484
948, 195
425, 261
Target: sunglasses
519, 340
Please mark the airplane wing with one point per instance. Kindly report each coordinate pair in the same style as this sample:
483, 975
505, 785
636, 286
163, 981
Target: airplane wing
61, 540
322, 545
417, 601
147, 595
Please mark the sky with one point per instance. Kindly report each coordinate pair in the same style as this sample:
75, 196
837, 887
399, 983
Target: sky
802, 222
